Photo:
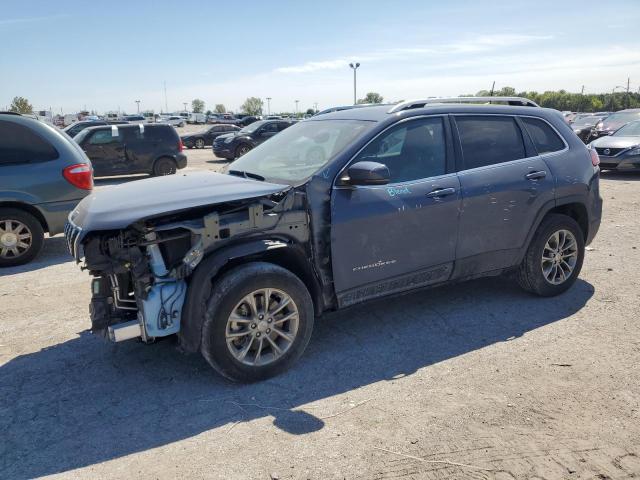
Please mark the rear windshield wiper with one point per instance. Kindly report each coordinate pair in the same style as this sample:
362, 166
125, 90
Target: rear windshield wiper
241, 173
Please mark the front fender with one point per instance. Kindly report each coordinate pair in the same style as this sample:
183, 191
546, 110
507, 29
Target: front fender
200, 286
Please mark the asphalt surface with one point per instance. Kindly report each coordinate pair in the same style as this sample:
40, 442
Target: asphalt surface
476, 380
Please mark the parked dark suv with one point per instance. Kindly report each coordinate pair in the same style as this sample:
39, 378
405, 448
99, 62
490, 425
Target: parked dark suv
128, 149
75, 128
43, 176
339, 209
235, 145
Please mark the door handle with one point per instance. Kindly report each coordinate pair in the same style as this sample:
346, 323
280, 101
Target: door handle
441, 192
535, 175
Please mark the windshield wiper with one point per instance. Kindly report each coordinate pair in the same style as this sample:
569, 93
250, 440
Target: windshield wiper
241, 173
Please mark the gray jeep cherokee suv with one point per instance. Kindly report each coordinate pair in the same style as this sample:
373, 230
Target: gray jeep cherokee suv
43, 176
336, 210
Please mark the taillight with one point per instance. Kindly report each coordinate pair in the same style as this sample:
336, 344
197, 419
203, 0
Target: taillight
79, 175
180, 145
595, 159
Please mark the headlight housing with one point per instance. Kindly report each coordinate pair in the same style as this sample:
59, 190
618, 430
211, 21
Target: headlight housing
228, 140
634, 151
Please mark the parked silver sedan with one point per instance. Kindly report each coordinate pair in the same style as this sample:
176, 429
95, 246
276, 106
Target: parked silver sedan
620, 151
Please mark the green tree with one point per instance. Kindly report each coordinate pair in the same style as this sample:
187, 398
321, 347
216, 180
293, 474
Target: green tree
252, 106
371, 97
208, 112
197, 105
220, 108
311, 111
20, 105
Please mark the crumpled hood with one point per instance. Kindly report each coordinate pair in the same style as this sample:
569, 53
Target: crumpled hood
121, 205
616, 142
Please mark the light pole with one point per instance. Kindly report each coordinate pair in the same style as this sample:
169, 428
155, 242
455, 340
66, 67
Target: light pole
268, 106
138, 105
315, 107
354, 66
185, 105
297, 107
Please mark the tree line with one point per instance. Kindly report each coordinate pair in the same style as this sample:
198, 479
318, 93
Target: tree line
574, 102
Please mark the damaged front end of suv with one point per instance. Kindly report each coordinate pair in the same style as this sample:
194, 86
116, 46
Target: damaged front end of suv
142, 258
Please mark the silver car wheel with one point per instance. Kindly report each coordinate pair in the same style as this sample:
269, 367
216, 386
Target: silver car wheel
559, 257
262, 327
15, 238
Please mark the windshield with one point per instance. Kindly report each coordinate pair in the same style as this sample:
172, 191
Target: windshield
252, 127
620, 118
301, 150
586, 121
629, 130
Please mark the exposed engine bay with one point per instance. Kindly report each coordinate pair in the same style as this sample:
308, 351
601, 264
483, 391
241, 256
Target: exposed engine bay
142, 273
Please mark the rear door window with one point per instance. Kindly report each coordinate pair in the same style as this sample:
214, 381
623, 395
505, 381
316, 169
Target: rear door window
489, 140
543, 136
19, 144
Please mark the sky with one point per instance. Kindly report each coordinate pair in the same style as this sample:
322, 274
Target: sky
103, 56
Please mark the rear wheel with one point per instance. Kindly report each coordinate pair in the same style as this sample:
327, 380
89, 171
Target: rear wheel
164, 166
21, 237
258, 322
554, 258
242, 149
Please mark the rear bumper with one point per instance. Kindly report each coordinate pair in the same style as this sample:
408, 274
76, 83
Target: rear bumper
56, 213
595, 209
181, 160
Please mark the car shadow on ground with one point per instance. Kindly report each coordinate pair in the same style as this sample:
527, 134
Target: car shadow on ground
85, 401
53, 252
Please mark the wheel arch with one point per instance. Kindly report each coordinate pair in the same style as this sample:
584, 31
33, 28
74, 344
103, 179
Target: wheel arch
286, 255
31, 209
574, 207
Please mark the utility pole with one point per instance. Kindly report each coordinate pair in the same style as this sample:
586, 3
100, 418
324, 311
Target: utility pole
138, 105
185, 105
297, 107
166, 108
315, 107
354, 66
628, 79
492, 88
268, 106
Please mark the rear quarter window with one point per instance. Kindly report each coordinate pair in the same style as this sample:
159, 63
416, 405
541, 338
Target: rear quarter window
545, 139
19, 144
165, 134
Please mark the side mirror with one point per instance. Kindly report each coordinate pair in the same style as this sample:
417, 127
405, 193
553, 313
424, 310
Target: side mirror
367, 173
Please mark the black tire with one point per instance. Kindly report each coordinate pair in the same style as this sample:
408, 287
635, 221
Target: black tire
230, 289
242, 149
12, 215
530, 275
199, 143
164, 166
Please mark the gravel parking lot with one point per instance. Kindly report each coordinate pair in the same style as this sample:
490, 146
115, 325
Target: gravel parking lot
477, 380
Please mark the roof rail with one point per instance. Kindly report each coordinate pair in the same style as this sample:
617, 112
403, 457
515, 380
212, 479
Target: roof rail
514, 101
10, 113
349, 107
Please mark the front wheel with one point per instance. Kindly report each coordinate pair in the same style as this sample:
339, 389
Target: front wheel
554, 258
258, 322
199, 143
242, 149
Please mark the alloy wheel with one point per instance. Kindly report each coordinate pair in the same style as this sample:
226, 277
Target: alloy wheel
559, 257
262, 327
15, 238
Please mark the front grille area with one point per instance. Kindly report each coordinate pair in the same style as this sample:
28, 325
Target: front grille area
72, 233
611, 152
